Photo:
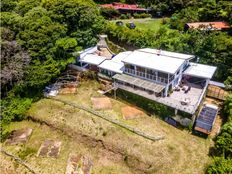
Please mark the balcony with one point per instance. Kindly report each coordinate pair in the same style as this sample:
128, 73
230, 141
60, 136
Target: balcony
147, 76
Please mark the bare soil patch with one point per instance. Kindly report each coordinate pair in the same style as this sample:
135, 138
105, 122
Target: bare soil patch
49, 148
19, 136
79, 164
129, 112
101, 103
68, 90
72, 165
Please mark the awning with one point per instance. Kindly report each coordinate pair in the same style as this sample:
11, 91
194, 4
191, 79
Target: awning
151, 86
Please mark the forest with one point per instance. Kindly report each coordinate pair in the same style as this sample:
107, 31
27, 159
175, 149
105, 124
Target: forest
39, 37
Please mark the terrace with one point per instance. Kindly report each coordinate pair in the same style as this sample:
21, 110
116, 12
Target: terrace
180, 100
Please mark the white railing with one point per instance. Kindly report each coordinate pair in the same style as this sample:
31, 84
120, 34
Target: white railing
147, 76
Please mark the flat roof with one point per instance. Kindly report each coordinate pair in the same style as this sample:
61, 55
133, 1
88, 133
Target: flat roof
87, 51
152, 86
92, 59
120, 56
112, 66
115, 64
219, 84
168, 53
154, 61
200, 70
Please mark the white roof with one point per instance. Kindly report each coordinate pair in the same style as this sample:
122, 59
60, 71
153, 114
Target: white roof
115, 64
87, 51
112, 66
153, 61
92, 59
200, 70
119, 57
167, 53
219, 84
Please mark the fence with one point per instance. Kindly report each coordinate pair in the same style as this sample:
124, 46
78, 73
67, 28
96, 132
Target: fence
107, 118
216, 92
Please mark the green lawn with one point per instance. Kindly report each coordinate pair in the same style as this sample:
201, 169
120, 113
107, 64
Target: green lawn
144, 24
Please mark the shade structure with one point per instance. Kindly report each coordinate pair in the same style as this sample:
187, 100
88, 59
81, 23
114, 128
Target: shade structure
138, 82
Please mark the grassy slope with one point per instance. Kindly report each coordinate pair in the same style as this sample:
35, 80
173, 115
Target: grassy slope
180, 152
58, 166
144, 24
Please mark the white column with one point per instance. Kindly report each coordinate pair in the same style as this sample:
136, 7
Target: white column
166, 91
156, 75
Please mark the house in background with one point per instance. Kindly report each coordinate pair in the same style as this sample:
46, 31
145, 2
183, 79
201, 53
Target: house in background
207, 26
125, 8
166, 77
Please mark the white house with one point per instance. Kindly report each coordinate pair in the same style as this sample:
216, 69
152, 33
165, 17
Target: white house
163, 76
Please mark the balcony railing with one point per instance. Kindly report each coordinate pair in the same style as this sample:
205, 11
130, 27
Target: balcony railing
147, 76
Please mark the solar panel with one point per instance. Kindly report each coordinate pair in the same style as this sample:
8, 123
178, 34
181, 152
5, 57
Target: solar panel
206, 118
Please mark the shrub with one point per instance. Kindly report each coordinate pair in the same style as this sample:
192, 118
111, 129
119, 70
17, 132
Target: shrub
14, 108
26, 152
224, 141
220, 166
4, 135
123, 16
142, 15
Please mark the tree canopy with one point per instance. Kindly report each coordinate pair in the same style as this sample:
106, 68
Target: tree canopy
41, 35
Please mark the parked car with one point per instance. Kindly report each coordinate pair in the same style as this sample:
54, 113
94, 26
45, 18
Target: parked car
131, 25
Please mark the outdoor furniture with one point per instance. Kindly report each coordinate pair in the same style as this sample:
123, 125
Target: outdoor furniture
176, 89
186, 101
187, 90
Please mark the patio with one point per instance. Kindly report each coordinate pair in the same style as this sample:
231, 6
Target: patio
175, 99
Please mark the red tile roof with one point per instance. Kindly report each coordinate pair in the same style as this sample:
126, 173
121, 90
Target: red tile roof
120, 6
209, 25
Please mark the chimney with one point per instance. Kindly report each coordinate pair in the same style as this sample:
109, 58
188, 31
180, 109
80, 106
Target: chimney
102, 42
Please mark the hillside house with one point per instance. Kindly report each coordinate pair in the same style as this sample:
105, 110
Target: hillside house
125, 8
165, 77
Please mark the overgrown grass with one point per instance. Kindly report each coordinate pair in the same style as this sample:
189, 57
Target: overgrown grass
168, 156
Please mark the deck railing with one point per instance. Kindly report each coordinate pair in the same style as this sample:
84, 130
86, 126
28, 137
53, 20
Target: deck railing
147, 76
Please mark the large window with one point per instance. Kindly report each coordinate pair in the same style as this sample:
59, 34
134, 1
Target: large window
163, 75
130, 66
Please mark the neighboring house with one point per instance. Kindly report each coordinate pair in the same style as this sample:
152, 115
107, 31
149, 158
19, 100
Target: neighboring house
207, 25
165, 77
125, 8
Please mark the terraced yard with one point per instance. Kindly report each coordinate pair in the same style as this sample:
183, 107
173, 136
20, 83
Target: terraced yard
112, 148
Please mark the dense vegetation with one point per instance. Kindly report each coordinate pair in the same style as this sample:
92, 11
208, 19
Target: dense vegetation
208, 9
223, 144
213, 48
38, 39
